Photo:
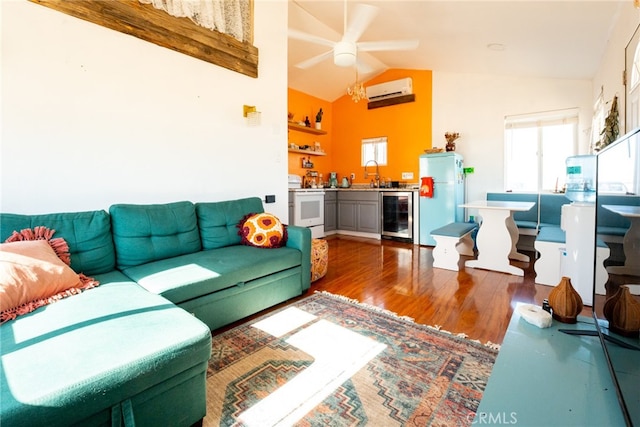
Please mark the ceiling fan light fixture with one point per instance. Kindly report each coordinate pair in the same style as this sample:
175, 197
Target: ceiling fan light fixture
357, 91
344, 54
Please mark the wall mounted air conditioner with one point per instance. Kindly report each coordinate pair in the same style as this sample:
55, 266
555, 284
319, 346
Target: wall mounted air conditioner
390, 89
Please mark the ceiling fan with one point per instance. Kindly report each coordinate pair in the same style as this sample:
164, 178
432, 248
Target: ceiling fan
345, 51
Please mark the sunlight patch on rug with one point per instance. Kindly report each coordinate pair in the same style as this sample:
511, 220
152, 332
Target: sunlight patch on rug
284, 322
338, 353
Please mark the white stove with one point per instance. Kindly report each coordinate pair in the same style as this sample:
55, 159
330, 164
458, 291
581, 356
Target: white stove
308, 207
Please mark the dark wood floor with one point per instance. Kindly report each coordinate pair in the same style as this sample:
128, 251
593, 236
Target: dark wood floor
400, 277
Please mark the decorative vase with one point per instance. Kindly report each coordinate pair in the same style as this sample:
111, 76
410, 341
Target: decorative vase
623, 313
451, 146
565, 302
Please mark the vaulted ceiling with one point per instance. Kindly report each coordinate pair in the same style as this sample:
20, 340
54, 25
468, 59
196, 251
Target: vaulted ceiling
562, 39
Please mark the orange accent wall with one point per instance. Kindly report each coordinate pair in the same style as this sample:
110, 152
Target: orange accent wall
302, 105
408, 128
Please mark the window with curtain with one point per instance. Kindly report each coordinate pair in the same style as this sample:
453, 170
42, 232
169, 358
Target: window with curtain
217, 31
231, 17
374, 149
536, 148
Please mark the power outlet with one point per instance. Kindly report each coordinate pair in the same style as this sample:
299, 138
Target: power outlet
407, 175
353, 176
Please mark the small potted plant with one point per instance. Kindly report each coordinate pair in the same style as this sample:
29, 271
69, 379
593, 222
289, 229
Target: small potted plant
319, 119
451, 138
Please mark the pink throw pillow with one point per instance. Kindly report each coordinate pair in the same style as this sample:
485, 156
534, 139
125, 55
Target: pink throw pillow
31, 270
23, 279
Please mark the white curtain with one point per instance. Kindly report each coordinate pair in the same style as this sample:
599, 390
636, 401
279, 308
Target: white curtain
229, 17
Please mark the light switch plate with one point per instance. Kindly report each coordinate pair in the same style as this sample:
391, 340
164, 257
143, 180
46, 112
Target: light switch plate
407, 175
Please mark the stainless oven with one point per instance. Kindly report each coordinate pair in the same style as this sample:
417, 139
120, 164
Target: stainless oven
397, 215
308, 210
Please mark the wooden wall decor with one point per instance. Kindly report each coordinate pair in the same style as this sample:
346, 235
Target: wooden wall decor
158, 27
391, 101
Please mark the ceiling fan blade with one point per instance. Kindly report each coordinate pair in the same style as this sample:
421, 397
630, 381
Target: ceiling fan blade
387, 45
314, 60
299, 35
363, 67
359, 21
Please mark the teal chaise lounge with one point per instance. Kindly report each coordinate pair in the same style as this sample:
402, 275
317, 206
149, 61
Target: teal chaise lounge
135, 349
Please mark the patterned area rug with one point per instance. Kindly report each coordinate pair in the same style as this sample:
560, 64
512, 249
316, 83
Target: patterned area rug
327, 360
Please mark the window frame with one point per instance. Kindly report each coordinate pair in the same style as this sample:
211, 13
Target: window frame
538, 121
632, 82
377, 142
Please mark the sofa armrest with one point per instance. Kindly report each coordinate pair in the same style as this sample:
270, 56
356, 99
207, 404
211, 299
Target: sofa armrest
300, 238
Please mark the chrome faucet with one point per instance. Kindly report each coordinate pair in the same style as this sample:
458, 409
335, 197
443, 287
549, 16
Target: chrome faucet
366, 173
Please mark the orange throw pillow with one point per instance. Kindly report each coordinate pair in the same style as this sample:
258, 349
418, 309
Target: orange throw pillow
30, 270
262, 230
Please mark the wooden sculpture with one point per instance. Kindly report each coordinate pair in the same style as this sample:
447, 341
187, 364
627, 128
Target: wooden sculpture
565, 302
622, 311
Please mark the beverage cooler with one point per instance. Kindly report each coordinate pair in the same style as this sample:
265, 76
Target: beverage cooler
397, 215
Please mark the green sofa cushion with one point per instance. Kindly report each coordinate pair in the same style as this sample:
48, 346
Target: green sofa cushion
88, 235
551, 208
557, 235
146, 233
551, 234
85, 354
193, 275
218, 221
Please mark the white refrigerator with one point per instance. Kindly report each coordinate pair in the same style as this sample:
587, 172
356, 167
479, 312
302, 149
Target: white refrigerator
443, 207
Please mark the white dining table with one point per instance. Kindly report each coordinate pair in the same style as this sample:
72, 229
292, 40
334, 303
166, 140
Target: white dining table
631, 241
498, 235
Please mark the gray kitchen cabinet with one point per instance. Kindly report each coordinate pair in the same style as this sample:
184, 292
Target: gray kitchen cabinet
347, 215
368, 217
359, 211
330, 211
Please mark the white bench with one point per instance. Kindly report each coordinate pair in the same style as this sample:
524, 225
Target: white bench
452, 240
551, 244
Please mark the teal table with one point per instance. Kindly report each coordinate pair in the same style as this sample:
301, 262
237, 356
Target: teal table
543, 377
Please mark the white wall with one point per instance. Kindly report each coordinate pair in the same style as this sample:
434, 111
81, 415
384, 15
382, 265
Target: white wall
475, 105
609, 75
92, 117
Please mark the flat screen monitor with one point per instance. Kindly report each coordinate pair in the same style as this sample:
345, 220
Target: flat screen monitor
618, 225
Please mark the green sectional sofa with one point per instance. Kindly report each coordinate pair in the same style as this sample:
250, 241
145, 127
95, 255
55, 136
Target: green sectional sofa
135, 349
